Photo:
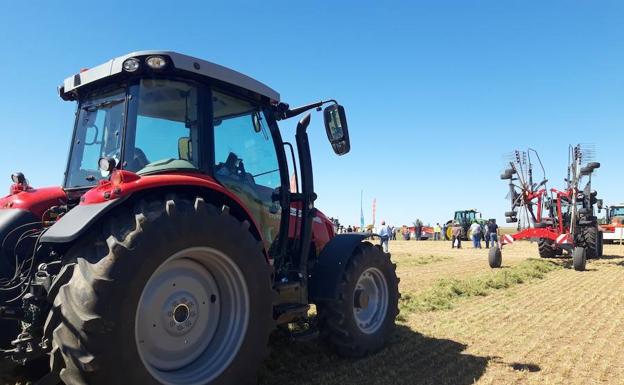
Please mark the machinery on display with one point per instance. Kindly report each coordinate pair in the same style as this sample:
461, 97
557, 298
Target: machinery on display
562, 221
613, 228
464, 218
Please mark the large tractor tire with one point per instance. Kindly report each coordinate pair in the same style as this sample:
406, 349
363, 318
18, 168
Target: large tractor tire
590, 242
546, 249
361, 320
579, 258
179, 293
495, 257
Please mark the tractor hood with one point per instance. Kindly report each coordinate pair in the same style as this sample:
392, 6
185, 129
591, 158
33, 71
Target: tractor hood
36, 201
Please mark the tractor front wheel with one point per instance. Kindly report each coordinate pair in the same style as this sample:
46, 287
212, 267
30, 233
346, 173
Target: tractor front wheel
579, 258
361, 320
179, 293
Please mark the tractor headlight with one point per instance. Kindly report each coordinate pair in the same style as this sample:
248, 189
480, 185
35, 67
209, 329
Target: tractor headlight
156, 62
131, 65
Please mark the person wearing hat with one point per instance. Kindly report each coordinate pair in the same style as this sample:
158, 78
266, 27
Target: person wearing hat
384, 234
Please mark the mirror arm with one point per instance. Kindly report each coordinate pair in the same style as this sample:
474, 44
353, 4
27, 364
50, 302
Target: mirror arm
285, 112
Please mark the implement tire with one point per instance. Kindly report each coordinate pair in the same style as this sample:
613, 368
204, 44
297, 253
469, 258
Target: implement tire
362, 319
170, 291
546, 249
589, 241
495, 257
579, 258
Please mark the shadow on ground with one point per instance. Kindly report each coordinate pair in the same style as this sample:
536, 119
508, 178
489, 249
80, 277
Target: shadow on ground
411, 358
13, 374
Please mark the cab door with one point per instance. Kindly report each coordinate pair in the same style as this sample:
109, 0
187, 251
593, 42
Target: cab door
246, 161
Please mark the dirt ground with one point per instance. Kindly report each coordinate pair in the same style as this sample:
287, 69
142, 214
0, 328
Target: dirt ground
566, 328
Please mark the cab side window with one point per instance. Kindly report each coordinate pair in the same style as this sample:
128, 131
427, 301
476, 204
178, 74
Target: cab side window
246, 160
244, 148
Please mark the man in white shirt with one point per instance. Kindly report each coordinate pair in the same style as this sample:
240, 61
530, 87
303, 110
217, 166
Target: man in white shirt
475, 231
384, 233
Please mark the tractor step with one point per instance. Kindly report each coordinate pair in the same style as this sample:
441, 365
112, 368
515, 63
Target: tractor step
305, 335
290, 312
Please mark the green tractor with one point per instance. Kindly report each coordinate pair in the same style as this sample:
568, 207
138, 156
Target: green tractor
465, 218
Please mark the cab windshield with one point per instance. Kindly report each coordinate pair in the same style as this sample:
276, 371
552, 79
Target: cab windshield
98, 134
617, 211
161, 131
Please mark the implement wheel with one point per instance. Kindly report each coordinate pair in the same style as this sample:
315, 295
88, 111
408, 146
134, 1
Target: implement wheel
579, 258
590, 241
178, 294
362, 319
495, 257
546, 249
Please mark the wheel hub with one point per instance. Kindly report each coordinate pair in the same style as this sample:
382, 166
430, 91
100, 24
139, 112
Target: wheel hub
180, 314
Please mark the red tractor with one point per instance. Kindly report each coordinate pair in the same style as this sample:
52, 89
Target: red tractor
176, 245
560, 221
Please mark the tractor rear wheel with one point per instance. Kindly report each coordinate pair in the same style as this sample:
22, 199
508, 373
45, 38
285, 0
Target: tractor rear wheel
495, 257
589, 240
179, 293
579, 258
546, 249
361, 320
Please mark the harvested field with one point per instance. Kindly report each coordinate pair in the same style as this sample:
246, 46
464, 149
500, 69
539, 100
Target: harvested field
532, 322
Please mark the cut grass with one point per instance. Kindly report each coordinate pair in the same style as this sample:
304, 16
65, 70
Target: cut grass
411, 260
443, 294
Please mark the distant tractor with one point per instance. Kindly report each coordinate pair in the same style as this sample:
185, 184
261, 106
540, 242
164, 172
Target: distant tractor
560, 221
613, 228
177, 244
465, 218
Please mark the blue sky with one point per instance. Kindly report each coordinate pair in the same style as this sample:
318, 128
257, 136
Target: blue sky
436, 92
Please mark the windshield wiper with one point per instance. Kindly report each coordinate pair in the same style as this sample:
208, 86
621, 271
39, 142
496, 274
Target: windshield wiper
104, 104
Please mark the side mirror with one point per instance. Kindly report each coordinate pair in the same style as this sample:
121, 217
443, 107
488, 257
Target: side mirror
599, 204
184, 149
337, 129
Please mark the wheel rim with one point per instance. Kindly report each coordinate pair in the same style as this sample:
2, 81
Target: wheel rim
370, 300
192, 317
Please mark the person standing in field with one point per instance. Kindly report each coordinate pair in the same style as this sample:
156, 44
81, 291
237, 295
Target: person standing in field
418, 229
457, 234
485, 234
436, 232
475, 230
493, 232
384, 234
444, 227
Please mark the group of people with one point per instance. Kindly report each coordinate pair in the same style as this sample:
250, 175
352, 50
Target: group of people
488, 232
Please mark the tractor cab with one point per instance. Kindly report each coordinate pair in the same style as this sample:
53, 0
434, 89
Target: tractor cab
156, 113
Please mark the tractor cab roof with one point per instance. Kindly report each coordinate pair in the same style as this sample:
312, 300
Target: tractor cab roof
175, 62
